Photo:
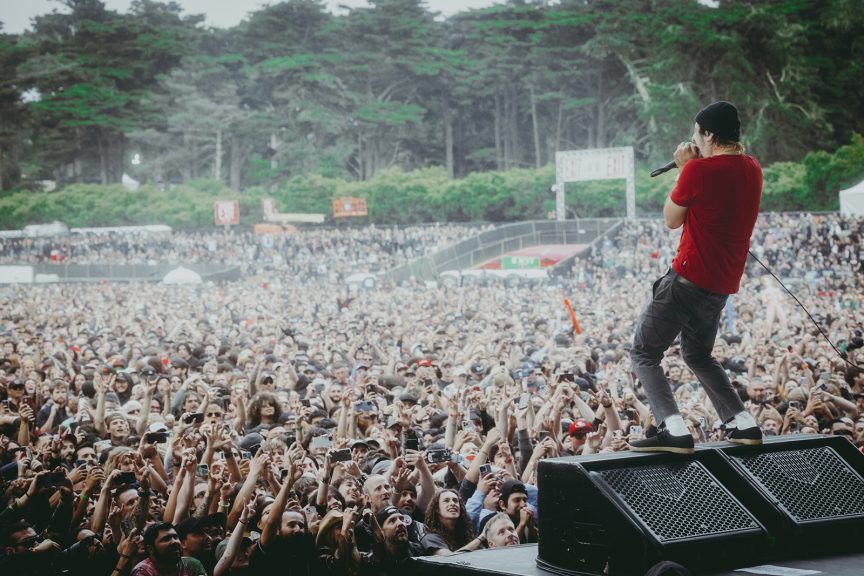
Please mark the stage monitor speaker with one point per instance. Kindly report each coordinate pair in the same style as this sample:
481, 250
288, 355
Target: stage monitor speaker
807, 489
618, 514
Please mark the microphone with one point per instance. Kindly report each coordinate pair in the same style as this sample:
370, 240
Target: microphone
663, 169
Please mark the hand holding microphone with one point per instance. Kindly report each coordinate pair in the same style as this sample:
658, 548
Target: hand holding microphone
685, 151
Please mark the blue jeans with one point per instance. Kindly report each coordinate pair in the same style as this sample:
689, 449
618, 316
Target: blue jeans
679, 307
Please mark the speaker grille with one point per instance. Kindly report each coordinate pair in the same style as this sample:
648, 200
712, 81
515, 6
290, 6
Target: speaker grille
809, 484
677, 501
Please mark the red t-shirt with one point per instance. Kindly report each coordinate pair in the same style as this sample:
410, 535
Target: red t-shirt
722, 194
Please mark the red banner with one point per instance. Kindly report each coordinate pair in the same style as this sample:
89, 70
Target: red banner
349, 206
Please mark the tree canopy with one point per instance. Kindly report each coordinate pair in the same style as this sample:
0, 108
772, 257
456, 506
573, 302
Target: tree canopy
295, 91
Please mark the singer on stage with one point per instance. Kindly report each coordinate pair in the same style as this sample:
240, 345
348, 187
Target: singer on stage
716, 199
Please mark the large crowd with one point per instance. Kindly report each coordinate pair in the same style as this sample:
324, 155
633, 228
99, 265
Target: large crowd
293, 426
311, 255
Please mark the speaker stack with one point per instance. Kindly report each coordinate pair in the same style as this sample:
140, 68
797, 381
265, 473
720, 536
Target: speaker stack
726, 506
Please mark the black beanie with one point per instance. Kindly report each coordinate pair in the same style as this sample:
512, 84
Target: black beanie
721, 119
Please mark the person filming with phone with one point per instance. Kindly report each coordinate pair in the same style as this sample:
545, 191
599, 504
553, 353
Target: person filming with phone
716, 200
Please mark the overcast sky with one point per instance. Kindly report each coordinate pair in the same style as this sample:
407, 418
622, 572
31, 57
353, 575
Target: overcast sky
16, 14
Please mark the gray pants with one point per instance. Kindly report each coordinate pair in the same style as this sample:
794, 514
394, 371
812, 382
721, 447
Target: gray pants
677, 306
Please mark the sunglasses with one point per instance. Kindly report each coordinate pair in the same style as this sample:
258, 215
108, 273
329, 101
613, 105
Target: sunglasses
214, 414
17, 386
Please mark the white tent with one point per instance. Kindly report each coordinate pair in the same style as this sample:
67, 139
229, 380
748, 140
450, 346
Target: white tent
181, 275
852, 200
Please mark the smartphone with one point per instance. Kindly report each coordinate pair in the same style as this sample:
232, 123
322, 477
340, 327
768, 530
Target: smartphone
343, 455
28, 400
79, 463
485, 469
245, 455
202, 470
542, 435
468, 425
4, 403
410, 440
823, 386
319, 442
566, 377
305, 403
156, 437
125, 478
635, 430
438, 456
364, 406
195, 417
52, 479
524, 399
617, 434
794, 405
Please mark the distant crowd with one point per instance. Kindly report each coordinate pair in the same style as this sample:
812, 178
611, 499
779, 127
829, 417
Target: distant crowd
242, 428
309, 254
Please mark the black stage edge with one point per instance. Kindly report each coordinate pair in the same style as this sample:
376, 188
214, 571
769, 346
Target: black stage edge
522, 561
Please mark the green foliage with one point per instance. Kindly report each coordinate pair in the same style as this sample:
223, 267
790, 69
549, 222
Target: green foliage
397, 197
296, 91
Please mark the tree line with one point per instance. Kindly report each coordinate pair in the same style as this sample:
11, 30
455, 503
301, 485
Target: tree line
294, 91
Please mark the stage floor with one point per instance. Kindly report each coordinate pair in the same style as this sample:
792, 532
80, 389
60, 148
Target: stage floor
520, 561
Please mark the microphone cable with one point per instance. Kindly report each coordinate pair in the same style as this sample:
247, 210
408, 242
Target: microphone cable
815, 323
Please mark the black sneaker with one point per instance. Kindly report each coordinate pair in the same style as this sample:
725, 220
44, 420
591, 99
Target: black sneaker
663, 441
750, 436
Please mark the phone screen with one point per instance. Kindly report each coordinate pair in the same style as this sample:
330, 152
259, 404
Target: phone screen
319, 442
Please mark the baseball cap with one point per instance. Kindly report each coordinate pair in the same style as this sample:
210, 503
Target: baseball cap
251, 442
354, 443
194, 525
580, 425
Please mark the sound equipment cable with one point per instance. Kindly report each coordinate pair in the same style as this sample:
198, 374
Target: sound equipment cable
815, 323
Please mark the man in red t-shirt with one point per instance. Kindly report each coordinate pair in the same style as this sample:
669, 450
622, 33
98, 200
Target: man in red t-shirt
716, 199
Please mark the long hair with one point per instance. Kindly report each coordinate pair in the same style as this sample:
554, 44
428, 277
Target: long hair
328, 542
464, 531
254, 410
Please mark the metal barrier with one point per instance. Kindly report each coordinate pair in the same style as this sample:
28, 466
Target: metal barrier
499, 242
